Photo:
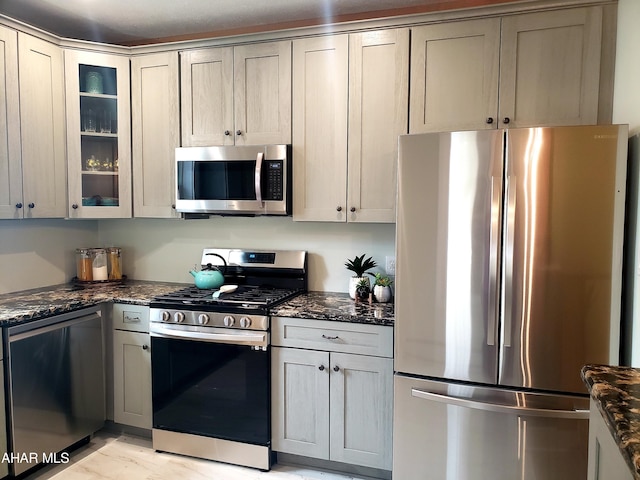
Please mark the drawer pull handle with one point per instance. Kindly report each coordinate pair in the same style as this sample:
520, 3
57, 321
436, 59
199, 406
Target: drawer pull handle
128, 319
330, 338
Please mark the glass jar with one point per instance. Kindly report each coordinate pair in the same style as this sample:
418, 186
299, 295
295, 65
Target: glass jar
84, 269
114, 263
99, 264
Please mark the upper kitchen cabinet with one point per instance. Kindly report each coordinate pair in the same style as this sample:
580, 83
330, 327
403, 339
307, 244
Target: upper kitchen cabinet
378, 112
320, 108
236, 95
10, 163
98, 134
550, 68
522, 70
42, 132
358, 84
155, 114
454, 76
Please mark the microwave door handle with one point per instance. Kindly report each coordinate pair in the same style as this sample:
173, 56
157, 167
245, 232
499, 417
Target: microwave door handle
258, 177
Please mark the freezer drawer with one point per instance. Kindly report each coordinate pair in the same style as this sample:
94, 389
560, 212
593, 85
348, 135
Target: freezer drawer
445, 431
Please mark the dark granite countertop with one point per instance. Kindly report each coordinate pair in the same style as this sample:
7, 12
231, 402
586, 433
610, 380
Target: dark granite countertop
616, 391
337, 307
27, 305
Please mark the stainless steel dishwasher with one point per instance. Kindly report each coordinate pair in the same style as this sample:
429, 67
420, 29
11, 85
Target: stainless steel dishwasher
56, 397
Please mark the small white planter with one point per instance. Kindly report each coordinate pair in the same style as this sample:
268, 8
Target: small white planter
353, 283
382, 293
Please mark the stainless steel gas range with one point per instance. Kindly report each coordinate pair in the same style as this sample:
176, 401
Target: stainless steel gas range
211, 361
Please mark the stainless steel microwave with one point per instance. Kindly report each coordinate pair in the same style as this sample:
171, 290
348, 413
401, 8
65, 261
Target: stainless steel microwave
234, 180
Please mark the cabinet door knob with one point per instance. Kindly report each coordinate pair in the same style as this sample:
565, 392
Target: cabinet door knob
173, 205
145, 347
227, 133
353, 209
74, 206
321, 368
238, 132
489, 120
31, 205
506, 120
339, 208
336, 368
18, 205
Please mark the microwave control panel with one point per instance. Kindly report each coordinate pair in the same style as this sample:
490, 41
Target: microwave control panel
274, 179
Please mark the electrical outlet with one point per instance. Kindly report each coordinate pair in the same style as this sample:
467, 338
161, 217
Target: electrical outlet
390, 265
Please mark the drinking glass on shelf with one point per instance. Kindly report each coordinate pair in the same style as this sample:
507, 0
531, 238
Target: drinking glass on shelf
89, 121
105, 122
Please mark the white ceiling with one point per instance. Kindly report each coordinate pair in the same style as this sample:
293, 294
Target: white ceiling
134, 22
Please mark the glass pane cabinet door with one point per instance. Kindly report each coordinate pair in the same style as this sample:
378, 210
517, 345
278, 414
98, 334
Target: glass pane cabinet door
98, 142
99, 136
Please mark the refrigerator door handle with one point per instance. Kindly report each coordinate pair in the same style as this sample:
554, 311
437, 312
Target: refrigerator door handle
493, 263
492, 407
510, 239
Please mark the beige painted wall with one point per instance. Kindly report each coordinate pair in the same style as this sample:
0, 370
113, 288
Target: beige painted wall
37, 253
167, 249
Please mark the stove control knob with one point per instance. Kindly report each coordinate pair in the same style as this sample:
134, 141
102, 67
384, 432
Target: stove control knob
166, 316
178, 317
245, 322
229, 321
203, 319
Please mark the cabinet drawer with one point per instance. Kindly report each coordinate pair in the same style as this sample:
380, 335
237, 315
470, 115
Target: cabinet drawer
130, 317
330, 336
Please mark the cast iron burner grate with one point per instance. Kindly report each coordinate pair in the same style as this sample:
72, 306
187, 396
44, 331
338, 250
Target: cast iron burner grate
252, 295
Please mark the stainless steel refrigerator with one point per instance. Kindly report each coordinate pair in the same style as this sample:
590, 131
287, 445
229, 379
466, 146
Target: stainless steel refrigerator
508, 281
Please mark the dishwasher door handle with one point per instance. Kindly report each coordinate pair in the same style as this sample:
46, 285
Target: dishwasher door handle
497, 408
52, 327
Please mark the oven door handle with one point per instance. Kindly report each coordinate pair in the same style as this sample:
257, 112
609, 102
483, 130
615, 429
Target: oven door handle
252, 339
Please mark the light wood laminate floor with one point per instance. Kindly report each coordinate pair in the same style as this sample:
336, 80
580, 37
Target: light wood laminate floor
116, 457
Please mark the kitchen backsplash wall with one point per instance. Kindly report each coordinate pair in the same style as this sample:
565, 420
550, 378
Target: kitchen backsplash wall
37, 253
167, 249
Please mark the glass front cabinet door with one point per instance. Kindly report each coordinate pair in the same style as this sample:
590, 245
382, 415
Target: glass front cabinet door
98, 134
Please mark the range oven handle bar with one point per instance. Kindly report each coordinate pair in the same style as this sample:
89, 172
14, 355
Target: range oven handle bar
497, 408
252, 339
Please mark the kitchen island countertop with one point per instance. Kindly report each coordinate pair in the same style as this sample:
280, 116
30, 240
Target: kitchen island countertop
616, 392
27, 305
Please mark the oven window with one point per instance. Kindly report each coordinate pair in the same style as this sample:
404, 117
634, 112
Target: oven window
211, 389
217, 180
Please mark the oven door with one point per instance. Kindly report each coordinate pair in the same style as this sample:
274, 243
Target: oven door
215, 390
248, 180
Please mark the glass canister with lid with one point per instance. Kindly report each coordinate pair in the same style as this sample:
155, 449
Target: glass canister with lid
84, 268
99, 264
114, 263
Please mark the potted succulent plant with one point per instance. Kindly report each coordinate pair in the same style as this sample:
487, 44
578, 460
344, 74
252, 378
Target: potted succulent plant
359, 266
382, 288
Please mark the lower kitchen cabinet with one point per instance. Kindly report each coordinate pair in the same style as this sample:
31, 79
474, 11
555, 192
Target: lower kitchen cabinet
132, 366
605, 459
332, 405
